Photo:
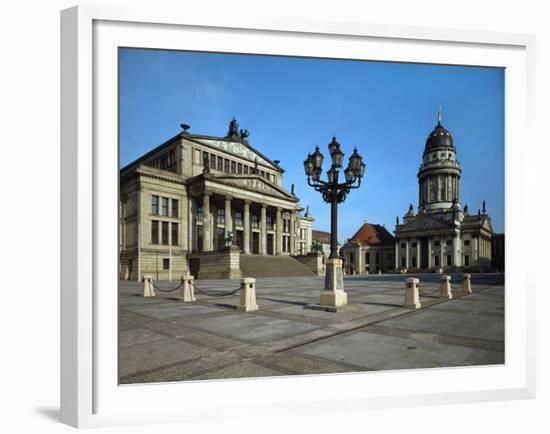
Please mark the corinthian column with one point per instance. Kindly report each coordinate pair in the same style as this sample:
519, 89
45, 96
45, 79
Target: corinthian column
206, 229
246, 234
263, 230
293, 232
279, 233
228, 226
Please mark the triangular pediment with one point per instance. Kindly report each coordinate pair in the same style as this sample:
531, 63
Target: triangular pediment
426, 222
254, 183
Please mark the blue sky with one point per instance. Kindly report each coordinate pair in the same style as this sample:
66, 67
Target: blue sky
289, 105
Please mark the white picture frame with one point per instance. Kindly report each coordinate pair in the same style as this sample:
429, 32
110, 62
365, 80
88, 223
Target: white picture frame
90, 395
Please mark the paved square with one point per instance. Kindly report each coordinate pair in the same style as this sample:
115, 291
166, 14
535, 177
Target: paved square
163, 339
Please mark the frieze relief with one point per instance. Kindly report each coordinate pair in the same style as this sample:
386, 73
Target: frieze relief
237, 149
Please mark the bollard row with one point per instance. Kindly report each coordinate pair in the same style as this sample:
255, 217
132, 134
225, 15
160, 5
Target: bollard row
412, 298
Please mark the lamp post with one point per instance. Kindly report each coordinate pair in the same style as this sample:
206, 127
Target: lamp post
334, 192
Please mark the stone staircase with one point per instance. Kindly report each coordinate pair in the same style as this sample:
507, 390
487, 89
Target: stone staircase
272, 266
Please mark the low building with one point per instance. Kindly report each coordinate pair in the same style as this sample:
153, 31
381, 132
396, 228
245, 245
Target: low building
369, 250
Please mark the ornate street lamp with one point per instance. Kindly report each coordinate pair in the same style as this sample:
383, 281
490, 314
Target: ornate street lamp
334, 192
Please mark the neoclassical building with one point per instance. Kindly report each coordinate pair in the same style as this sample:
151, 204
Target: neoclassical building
442, 235
196, 194
369, 250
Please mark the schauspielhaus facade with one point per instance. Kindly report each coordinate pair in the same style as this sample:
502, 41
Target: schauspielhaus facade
195, 195
441, 235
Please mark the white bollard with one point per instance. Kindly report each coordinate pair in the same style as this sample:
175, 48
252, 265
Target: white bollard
467, 283
187, 291
445, 288
412, 299
247, 302
148, 290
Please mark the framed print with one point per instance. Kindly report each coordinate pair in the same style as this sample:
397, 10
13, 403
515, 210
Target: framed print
294, 215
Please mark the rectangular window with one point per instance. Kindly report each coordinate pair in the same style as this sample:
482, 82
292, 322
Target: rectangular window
199, 238
414, 244
164, 207
166, 263
205, 158
175, 234
466, 260
165, 233
466, 242
414, 261
233, 167
155, 205
154, 232
449, 242
220, 164
175, 208
449, 260
246, 170
254, 220
377, 258
220, 216
239, 168
199, 212
226, 166
238, 218
213, 161
403, 245
403, 262
367, 258
221, 238
269, 222
437, 243
436, 260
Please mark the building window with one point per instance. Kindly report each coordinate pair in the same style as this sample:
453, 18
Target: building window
466, 260
199, 212
367, 258
166, 264
233, 167
175, 208
403, 245
466, 242
164, 207
377, 258
437, 243
449, 242
245, 170
205, 159
220, 216
165, 233
199, 238
226, 166
155, 205
220, 164
403, 262
221, 238
414, 261
238, 218
254, 219
414, 244
436, 260
154, 232
269, 222
175, 234
212, 161
239, 168
449, 260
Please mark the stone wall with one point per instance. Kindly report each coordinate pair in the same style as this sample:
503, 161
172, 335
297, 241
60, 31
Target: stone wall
313, 261
221, 264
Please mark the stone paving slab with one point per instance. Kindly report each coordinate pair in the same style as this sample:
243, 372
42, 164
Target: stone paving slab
163, 339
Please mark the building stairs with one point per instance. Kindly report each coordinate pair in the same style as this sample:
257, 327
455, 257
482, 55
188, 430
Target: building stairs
272, 266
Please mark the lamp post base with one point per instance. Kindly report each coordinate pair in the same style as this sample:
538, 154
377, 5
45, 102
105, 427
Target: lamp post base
334, 294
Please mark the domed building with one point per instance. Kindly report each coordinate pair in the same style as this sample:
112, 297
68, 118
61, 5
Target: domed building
442, 235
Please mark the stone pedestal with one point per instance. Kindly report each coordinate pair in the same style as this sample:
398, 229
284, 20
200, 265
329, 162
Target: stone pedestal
334, 294
467, 283
445, 287
187, 291
148, 290
412, 300
247, 302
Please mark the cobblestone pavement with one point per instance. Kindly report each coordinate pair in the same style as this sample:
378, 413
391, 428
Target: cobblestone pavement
163, 339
